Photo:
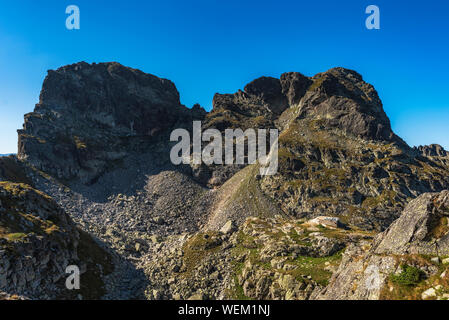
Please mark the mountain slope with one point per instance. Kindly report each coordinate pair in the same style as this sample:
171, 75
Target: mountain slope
38, 241
98, 143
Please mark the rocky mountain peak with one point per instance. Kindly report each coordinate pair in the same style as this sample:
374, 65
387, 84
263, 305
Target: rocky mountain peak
117, 95
90, 115
294, 86
341, 99
264, 96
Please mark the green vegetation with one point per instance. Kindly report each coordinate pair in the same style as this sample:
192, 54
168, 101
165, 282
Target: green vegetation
15, 236
18, 220
238, 293
411, 282
316, 83
302, 267
409, 276
197, 248
80, 145
316, 268
388, 197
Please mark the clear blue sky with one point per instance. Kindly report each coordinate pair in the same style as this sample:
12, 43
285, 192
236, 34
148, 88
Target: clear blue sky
218, 46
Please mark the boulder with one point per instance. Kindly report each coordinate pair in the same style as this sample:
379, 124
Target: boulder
228, 227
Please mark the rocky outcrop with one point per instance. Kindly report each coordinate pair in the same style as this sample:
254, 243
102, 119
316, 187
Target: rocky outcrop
414, 242
13, 170
338, 154
433, 150
263, 259
341, 99
90, 116
260, 104
37, 242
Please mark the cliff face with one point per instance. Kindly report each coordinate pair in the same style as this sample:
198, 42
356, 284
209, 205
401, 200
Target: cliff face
90, 116
98, 142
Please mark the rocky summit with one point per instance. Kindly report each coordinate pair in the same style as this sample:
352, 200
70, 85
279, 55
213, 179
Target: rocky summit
352, 213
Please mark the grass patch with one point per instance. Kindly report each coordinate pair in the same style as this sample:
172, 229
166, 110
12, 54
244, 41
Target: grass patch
15, 236
316, 83
197, 248
315, 267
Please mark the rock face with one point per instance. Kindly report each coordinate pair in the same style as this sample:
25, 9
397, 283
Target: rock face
13, 170
337, 153
90, 116
422, 228
343, 100
260, 104
421, 232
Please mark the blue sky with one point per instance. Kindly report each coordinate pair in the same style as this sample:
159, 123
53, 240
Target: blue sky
218, 46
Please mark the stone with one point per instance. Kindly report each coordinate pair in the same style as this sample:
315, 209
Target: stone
99, 103
435, 260
197, 297
411, 232
228, 227
159, 220
429, 293
37, 255
328, 222
156, 294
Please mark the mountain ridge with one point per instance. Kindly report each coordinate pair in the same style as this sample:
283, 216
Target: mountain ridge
98, 144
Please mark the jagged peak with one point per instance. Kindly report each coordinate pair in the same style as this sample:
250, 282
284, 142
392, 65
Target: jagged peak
432, 150
342, 99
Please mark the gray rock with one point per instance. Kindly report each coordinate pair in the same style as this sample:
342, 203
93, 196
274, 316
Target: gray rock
228, 227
